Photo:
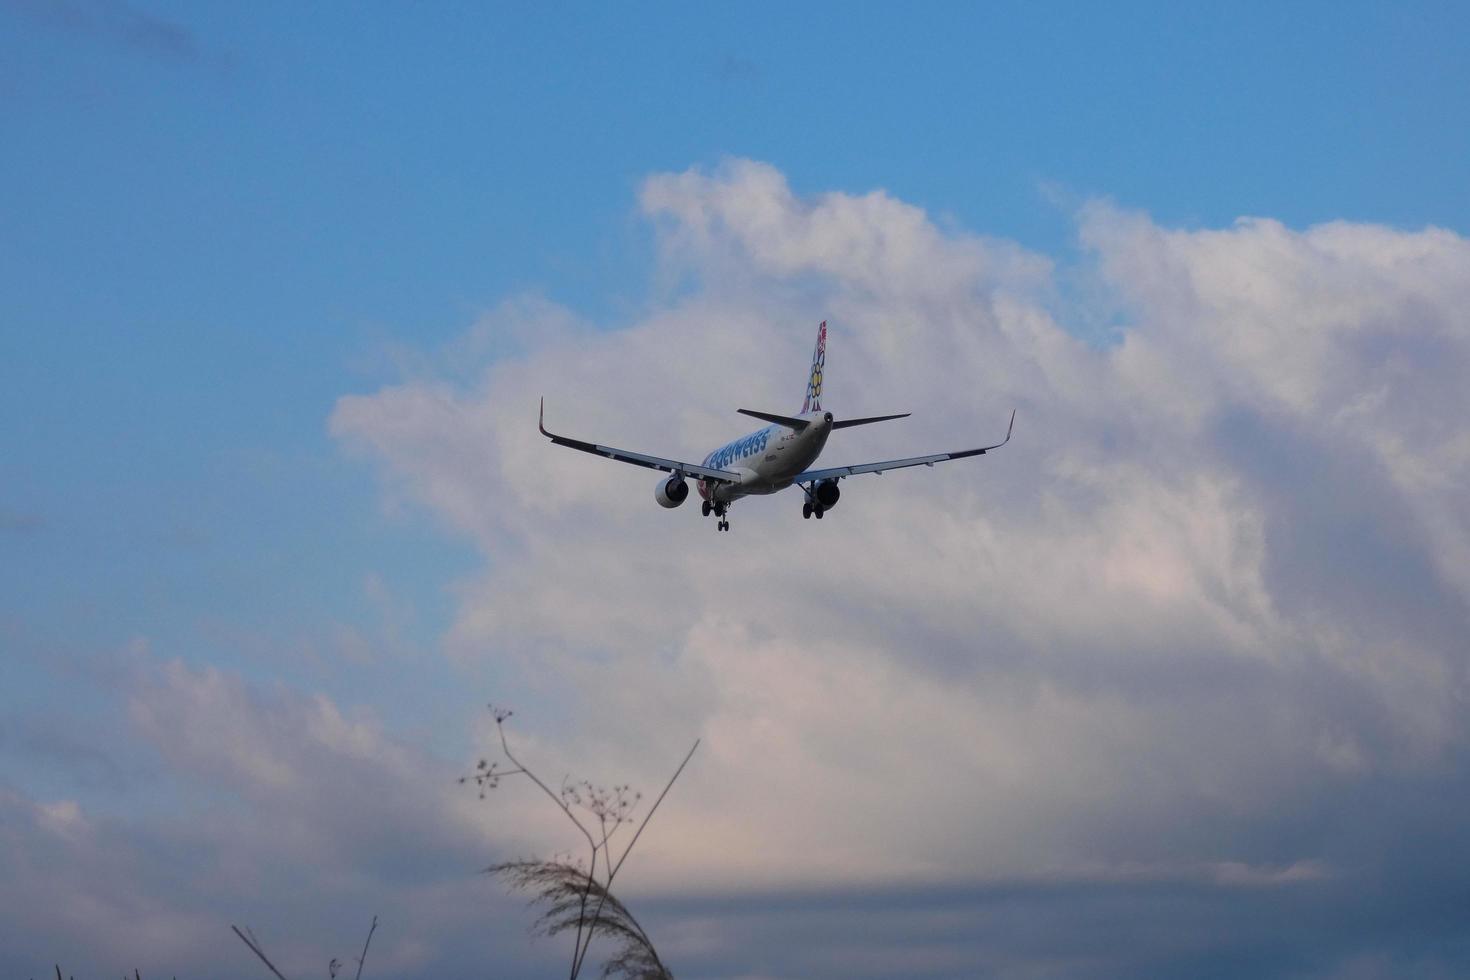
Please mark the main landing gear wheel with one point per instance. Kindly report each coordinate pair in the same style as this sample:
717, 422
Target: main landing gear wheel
705, 507
806, 511
818, 511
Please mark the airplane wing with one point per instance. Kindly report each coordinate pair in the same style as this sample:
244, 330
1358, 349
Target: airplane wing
639, 459
840, 472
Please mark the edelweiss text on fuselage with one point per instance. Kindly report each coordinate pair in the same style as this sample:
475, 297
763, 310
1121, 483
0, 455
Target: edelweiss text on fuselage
739, 449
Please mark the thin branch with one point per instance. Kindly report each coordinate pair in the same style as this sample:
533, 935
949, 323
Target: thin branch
363, 958
505, 747
257, 951
561, 804
613, 869
651, 810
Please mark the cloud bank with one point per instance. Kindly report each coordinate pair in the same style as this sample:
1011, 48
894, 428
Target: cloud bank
1211, 597
1183, 663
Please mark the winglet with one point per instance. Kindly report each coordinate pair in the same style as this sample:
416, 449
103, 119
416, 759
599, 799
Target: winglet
982, 452
541, 420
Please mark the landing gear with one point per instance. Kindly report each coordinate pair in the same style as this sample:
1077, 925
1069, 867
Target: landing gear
811, 508
723, 526
718, 509
705, 507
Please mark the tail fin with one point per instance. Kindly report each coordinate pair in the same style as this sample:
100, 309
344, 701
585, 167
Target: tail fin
813, 401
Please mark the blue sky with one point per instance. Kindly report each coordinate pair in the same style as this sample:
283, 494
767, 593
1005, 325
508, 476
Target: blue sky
221, 224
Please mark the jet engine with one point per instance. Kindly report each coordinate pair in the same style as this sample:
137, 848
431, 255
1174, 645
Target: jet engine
826, 494
671, 492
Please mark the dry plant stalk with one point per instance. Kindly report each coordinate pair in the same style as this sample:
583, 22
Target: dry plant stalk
578, 898
248, 938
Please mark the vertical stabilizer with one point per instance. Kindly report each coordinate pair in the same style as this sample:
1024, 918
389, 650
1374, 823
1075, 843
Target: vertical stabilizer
813, 401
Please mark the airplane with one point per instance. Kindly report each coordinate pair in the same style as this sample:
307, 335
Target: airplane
770, 459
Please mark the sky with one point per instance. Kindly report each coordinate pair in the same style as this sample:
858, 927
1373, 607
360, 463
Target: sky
1173, 685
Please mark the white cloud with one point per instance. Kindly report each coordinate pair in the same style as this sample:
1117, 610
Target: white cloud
1221, 569
1198, 631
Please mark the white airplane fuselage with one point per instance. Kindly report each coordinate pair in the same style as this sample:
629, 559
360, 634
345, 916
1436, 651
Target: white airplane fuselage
767, 459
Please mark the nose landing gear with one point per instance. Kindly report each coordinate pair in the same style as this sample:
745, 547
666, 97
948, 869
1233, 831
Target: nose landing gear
719, 510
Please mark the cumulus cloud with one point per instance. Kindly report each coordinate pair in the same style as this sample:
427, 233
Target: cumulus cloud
1215, 590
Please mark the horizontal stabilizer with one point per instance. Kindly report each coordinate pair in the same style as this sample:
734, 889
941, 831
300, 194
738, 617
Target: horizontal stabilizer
844, 423
786, 420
